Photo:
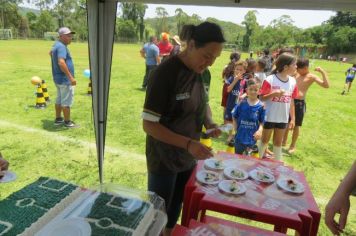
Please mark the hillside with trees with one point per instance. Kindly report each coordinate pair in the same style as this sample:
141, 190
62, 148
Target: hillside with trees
337, 35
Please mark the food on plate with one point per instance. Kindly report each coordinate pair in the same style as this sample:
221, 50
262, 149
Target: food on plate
263, 176
210, 177
218, 163
237, 173
292, 184
234, 187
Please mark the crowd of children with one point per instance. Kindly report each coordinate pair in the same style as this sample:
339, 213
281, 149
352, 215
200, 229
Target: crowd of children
261, 101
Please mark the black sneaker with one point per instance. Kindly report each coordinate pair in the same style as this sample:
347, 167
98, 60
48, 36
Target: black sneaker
59, 121
70, 124
343, 92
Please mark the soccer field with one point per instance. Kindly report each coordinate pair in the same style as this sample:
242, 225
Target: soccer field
35, 147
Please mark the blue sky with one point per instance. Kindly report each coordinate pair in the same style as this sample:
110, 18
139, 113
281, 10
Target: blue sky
302, 19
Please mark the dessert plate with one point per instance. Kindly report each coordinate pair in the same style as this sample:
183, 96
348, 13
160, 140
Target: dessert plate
232, 187
290, 185
208, 177
235, 173
214, 164
8, 177
69, 227
261, 176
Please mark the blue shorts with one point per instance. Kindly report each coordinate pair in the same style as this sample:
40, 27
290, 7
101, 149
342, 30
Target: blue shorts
349, 79
65, 94
240, 147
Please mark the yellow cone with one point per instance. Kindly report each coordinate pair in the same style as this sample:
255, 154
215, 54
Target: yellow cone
204, 139
45, 91
89, 88
40, 100
231, 147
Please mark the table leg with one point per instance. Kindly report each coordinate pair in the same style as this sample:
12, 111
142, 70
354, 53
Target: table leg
186, 204
281, 229
188, 191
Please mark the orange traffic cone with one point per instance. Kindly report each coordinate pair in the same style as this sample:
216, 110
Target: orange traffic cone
40, 100
45, 91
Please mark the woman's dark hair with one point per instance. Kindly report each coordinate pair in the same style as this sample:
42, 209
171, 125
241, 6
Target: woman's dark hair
202, 34
285, 59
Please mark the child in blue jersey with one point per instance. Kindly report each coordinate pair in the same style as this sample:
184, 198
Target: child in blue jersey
248, 118
235, 89
350, 76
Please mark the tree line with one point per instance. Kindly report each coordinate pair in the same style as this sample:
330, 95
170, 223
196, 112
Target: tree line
338, 34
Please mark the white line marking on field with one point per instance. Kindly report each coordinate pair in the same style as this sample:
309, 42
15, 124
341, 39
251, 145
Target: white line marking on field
85, 144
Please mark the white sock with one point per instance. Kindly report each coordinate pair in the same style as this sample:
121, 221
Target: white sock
277, 152
262, 148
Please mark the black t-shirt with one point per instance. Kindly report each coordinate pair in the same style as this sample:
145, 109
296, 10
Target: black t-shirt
175, 98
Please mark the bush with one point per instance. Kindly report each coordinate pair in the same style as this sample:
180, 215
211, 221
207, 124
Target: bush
50, 36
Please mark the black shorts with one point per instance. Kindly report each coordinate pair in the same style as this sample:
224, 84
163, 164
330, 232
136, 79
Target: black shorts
273, 125
300, 108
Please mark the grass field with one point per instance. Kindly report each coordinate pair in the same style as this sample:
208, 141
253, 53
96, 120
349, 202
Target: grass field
35, 147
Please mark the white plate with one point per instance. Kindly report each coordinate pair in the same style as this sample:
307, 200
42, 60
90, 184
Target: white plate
227, 185
208, 177
229, 173
69, 227
261, 176
283, 184
8, 177
214, 164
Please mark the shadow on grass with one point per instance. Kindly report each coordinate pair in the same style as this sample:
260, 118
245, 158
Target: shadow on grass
140, 89
49, 126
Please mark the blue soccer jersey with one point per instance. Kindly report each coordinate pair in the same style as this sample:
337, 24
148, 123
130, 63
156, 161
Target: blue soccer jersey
350, 74
236, 91
248, 119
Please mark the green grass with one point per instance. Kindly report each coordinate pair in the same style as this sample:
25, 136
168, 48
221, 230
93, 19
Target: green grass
36, 148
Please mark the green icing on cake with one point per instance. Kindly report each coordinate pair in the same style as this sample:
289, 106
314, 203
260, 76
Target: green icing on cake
97, 231
121, 211
27, 205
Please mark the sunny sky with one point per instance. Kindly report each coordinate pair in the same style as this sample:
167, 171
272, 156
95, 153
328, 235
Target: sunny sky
302, 19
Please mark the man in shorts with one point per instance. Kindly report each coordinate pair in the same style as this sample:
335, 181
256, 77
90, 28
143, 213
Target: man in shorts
63, 76
304, 80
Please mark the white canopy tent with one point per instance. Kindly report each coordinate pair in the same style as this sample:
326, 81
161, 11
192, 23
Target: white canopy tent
101, 25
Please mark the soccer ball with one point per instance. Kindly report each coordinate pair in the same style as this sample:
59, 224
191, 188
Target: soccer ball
36, 80
86, 73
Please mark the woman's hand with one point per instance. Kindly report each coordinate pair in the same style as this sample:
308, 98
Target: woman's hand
214, 131
198, 150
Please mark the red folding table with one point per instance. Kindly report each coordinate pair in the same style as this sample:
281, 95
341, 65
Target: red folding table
262, 202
